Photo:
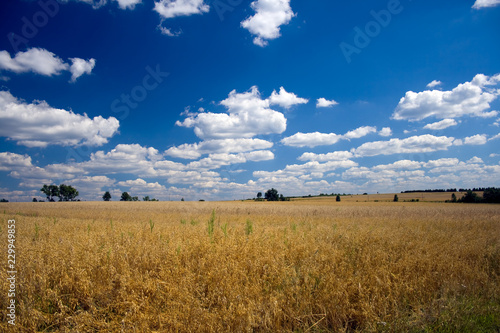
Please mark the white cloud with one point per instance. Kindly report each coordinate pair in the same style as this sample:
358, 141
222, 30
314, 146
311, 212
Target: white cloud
248, 115
124, 158
96, 4
360, 132
311, 139
324, 103
478, 139
140, 188
400, 165
38, 124
286, 99
475, 160
169, 32
128, 4
34, 60
259, 156
196, 150
434, 84
80, 67
386, 131
325, 139
469, 98
485, 4
11, 161
173, 8
298, 170
415, 144
43, 62
441, 125
269, 16
494, 137
334, 156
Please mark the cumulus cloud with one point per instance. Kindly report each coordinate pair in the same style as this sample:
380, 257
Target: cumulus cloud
128, 4
434, 84
11, 161
196, 150
314, 167
269, 16
169, 32
43, 62
173, 8
80, 67
441, 125
314, 139
386, 131
478, 139
324, 103
485, 4
475, 160
286, 99
124, 158
248, 115
311, 139
39, 125
469, 98
360, 132
334, 156
399, 165
415, 144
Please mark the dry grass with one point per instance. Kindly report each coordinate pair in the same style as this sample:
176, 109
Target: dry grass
266, 267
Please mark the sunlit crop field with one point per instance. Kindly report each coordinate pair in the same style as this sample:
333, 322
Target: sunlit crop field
299, 266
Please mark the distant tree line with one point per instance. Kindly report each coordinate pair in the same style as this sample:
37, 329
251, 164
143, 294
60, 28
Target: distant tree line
490, 195
127, 197
271, 195
475, 189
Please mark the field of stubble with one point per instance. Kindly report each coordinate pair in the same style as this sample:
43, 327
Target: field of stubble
308, 266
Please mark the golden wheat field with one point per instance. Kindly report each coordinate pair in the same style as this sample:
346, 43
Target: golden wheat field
300, 266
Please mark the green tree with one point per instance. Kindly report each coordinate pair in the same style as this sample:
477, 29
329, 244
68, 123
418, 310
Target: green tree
125, 197
470, 197
106, 196
35, 200
453, 197
396, 199
146, 198
67, 193
491, 195
50, 191
338, 198
259, 195
272, 195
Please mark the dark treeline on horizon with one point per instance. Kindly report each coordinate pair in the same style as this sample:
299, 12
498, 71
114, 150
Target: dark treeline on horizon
475, 189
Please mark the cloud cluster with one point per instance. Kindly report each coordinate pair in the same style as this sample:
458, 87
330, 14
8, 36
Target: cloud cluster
247, 115
315, 139
196, 150
324, 103
415, 144
485, 4
286, 99
173, 8
38, 124
269, 16
43, 62
441, 125
467, 99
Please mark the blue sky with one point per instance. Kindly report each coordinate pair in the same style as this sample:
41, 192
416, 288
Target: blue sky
221, 99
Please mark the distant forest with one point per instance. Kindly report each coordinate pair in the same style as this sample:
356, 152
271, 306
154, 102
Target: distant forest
479, 189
